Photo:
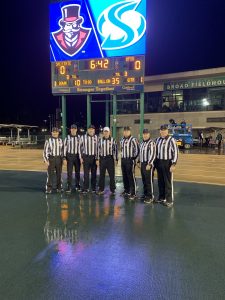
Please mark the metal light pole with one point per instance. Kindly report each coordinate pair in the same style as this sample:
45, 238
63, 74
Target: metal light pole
107, 113
50, 123
114, 115
142, 113
88, 110
64, 117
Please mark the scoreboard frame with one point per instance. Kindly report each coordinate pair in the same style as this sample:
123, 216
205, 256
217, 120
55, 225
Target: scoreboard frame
101, 75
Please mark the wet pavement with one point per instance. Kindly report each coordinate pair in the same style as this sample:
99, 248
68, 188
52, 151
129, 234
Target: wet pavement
104, 247
203, 150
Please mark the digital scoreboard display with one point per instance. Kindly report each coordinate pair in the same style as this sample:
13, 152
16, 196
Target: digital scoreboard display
101, 75
84, 29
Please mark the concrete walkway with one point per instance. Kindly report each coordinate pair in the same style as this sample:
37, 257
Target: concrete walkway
198, 167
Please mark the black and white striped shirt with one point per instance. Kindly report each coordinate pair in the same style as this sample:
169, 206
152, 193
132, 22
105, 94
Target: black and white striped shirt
108, 147
147, 152
129, 147
166, 149
53, 147
88, 145
72, 144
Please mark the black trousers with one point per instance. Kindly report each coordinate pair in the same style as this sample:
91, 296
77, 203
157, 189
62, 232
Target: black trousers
165, 179
73, 161
107, 163
147, 179
129, 182
55, 165
89, 165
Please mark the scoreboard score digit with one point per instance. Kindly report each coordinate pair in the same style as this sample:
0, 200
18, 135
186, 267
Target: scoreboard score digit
102, 75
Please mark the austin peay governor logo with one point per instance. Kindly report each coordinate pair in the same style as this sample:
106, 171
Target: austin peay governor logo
120, 26
71, 37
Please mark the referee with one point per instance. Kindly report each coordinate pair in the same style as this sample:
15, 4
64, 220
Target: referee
146, 158
88, 157
166, 159
108, 154
53, 157
71, 154
129, 152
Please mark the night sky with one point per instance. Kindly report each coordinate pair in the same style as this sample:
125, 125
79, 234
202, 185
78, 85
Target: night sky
181, 36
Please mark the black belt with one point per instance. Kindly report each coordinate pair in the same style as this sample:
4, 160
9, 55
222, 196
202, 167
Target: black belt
161, 159
107, 156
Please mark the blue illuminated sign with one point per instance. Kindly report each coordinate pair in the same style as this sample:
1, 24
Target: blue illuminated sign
82, 29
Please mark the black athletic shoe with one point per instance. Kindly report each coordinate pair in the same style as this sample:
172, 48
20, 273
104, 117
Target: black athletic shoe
142, 198
68, 191
93, 191
100, 192
158, 200
132, 197
48, 191
125, 194
148, 200
84, 192
168, 204
78, 189
59, 191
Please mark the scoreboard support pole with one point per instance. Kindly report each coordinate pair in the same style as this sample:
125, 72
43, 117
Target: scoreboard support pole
88, 110
64, 117
114, 115
107, 113
142, 113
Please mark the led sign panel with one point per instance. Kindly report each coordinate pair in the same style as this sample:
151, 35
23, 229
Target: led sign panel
83, 29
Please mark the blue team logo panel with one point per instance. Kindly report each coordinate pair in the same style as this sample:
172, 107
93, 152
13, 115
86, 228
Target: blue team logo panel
95, 29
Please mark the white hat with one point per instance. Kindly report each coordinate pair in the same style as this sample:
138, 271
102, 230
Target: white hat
106, 129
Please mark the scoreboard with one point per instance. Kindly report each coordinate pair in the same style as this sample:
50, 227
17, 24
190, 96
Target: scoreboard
101, 75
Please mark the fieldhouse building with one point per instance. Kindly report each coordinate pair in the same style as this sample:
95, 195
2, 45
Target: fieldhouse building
198, 97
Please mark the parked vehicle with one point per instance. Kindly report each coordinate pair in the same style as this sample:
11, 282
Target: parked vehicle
183, 134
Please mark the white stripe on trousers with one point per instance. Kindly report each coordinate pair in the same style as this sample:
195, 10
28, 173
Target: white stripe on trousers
152, 182
135, 185
46, 186
172, 195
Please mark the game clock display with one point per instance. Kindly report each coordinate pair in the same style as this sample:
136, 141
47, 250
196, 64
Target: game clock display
102, 75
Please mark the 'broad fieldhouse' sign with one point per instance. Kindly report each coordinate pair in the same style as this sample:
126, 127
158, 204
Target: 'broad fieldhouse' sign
194, 84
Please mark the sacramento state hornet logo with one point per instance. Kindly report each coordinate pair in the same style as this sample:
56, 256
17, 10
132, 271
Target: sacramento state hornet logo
71, 37
121, 25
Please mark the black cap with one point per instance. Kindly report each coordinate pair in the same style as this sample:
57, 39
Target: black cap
146, 130
73, 126
126, 128
55, 129
163, 127
91, 126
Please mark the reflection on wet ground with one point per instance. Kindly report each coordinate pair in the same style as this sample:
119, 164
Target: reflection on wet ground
105, 247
